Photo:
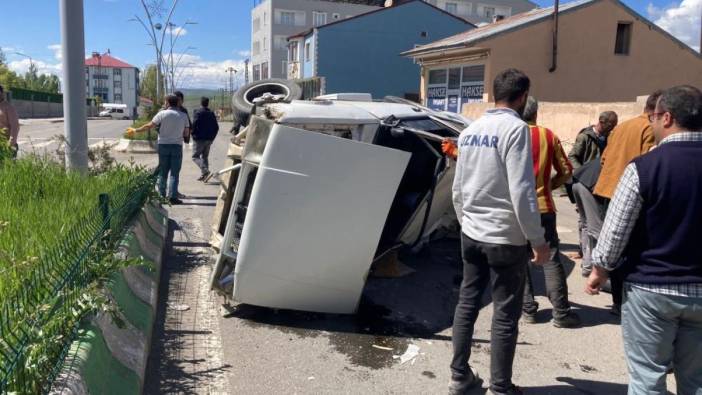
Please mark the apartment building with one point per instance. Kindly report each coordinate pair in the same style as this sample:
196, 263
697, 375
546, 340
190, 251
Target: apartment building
484, 11
273, 21
113, 80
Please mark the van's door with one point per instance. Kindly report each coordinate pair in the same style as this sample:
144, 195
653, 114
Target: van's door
317, 208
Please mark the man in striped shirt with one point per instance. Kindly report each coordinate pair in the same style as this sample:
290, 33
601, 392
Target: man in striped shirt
548, 155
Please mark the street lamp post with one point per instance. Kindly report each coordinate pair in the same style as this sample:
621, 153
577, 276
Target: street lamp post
72, 51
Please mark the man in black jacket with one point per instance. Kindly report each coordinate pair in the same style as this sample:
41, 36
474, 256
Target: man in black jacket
592, 140
205, 128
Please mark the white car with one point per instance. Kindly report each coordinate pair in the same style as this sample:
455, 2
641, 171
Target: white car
326, 187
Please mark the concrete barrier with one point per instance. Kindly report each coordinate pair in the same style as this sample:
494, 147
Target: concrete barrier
109, 356
136, 146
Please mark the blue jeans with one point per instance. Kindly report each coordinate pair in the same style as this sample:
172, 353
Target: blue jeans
660, 331
170, 160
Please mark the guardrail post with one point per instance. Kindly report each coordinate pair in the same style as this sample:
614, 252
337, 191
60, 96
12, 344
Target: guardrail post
104, 202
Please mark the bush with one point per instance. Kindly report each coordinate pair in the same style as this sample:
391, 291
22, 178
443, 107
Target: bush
144, 136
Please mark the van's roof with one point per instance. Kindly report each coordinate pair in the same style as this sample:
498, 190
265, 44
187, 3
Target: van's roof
114, 105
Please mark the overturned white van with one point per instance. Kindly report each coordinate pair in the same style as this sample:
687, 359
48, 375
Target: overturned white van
326, 187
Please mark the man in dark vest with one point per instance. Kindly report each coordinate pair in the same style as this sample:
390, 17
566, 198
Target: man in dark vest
654, 222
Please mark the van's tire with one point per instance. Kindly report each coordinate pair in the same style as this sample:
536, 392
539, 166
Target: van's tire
242, 101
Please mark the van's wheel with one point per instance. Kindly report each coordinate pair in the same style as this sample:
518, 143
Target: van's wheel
242, 101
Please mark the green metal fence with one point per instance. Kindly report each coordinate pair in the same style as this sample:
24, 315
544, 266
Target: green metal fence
55, 287
26, 94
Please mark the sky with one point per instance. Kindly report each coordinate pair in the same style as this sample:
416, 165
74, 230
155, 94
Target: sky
218, 38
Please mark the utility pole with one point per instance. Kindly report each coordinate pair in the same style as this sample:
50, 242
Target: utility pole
72, 51
231, 71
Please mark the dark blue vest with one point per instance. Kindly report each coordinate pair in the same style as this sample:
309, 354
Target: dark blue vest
666, 244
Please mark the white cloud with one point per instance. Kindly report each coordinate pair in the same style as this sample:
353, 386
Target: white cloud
21, 66
177, 31
195, 72
56, 48
681, 20
244, 54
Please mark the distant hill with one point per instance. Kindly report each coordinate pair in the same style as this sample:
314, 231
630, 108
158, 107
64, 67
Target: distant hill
192, 98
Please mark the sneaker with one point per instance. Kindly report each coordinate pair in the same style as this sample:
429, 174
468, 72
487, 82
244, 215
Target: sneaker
572, 320
459, 387
204, 176
180, 196
586, 273
175, 201
513, 390
209, 177
529, 318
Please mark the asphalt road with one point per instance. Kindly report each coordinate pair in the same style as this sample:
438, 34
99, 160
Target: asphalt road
255, 350
37, 135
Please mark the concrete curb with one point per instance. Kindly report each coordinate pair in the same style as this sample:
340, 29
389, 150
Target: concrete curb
110, 355
136, 146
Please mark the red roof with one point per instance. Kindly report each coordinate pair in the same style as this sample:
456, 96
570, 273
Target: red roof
106, 60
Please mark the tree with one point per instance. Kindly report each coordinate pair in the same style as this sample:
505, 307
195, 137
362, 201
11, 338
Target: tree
3, 58
9, 78
148, 85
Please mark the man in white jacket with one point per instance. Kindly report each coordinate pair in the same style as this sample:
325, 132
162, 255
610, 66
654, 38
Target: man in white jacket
494, 197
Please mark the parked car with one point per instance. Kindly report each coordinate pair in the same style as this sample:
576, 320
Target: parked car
114, 111
327, 187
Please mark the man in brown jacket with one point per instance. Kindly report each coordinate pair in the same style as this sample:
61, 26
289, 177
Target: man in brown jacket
9, 122
628, 140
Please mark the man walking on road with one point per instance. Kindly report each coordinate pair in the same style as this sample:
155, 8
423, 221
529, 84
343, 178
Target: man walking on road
548, 154
173, 128
9, 121
655, 222
629, 140
494, 197
205, 128
591, 141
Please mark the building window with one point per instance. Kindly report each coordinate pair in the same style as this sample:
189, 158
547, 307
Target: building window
100, 76
319, 18
623, 41
256, 24
118, 98
454, 78
117, 71
265, 44
117, 84
264, 70
307, 52
452, 8
256, 48
287, 18
257, 72
265, 15
488, 12
437, 77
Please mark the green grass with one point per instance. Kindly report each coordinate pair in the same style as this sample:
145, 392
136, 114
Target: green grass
41, 202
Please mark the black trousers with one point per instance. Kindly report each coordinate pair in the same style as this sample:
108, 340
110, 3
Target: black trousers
554, 274
507, 265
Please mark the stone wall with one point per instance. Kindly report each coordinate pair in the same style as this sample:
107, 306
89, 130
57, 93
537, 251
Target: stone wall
567, 119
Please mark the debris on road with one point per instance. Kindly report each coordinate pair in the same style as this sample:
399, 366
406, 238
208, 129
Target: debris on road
383, 348
178, 307
411, 353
